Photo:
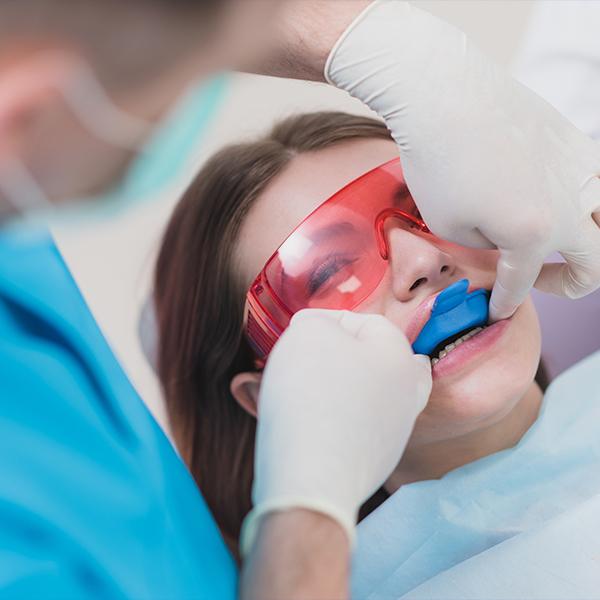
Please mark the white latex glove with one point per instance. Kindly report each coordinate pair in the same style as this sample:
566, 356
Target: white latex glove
488, 161
338, 401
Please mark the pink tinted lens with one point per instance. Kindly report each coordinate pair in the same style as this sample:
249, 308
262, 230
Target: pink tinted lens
330, 264
333, 260
335, 257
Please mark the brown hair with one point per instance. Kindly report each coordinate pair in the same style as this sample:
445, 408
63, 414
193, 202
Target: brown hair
199, 304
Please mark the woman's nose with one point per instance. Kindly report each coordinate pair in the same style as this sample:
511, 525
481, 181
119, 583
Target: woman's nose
418, 266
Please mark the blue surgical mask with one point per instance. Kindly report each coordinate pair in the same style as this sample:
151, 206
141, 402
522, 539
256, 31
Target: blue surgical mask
159, 151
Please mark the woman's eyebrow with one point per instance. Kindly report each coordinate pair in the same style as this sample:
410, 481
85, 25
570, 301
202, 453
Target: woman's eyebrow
401, 195
332, 230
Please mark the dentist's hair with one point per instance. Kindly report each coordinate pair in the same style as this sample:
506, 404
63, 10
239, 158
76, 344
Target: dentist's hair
199, 306
126, 40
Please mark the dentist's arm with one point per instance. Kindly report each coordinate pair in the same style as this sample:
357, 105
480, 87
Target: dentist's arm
338, 401
298, 554
488, 161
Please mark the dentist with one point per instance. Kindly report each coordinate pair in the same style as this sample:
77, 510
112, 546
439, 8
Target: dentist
93, 499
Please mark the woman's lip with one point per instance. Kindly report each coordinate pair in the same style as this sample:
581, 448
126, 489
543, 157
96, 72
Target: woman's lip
423, 312
473, 348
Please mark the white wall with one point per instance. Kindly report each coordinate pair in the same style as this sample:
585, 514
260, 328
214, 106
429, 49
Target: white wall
496, 26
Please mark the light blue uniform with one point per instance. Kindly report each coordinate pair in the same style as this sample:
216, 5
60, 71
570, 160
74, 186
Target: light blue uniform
94, 501
522, 523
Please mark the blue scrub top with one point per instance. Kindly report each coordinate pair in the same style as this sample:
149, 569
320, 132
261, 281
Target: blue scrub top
94, 502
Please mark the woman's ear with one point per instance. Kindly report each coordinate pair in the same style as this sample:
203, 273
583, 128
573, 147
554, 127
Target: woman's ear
244, 388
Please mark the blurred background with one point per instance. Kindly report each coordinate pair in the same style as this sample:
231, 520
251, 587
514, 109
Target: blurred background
112, 260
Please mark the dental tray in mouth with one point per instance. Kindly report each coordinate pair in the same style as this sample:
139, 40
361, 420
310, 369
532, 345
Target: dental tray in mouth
455, 312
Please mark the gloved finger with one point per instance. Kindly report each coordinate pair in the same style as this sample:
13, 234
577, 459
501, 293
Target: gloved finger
474, 238
359, 324
368, 327
339, 322
465, 236
363, 326
312, 324
424, 360
580, 275
375, 328
590, 195
311, 314
425, 382
349, 322
516, 273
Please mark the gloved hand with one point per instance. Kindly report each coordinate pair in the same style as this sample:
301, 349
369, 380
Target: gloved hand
490, 163
338, 401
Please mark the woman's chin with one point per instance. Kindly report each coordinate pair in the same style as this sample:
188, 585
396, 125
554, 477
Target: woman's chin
486, 379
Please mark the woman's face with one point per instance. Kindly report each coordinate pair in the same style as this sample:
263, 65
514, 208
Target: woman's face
472, 389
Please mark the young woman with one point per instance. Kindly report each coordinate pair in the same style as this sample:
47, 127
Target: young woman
237, 212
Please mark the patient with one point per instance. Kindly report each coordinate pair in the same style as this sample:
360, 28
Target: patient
240, 208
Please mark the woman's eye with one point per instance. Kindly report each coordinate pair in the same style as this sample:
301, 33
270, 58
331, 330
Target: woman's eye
325, 271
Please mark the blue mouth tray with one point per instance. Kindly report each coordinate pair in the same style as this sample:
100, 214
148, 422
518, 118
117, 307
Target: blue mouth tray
453, 311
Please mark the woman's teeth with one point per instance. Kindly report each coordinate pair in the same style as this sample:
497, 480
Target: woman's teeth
456, 343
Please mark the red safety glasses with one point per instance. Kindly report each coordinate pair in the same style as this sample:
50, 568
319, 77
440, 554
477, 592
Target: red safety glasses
335, 258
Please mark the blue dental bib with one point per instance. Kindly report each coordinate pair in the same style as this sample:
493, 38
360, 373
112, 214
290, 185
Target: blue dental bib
454, 311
